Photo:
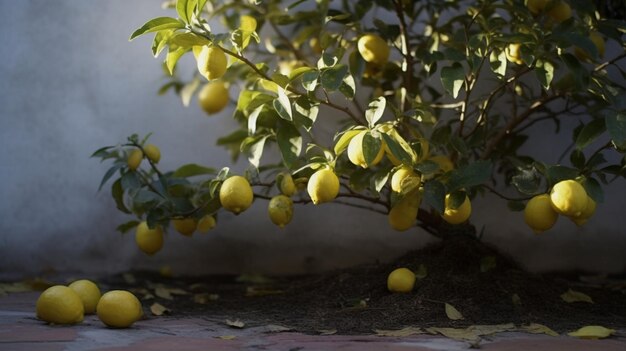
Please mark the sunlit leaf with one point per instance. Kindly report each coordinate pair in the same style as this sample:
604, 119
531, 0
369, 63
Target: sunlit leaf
453, 313
592, 332
575, 296
157, 309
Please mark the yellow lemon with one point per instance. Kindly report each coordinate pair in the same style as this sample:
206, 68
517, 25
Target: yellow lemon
373, 49
212, 62
539, 214
60, 305
286, 184
88, 292
152, 153
514, 54
185, 226
597, 40
560, 12
315, 45
149, 240
355, 151
568, 198
590, 209
119, 309
236, 194
402, 216
393, 133
134, 159
280, 210
323, 186
457, 215
206, 223
213, 97
536, 6
401, 280
399, 176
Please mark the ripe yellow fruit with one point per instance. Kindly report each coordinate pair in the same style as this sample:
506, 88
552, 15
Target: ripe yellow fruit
444, 163
134, 159
399, 176
457, 215
590, 209
206, 223
212, 62
539, 214
355, 151
514, 54
89, 294
560, 12
152, 153
401, 280
373, 49
286, 184
236, 194
315, 45
119, 309
60, 305
536, 6
185, 226
568, 198
402, 216
149, 240
597, 40
323, 186
280, 210
213, 97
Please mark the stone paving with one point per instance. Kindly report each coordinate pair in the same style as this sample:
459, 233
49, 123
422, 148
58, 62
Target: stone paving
20, 330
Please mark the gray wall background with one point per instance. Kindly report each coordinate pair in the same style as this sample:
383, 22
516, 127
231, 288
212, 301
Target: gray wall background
71, 82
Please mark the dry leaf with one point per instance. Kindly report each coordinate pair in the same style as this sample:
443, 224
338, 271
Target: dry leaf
492, 329
456, 334
163, 293
260, 291
253, 279
421, 272
157, 309
592, 332
15, 287
205, 298
274, 328
453, 313
399, 333
536, 328
129, 278
235, 324
575, 296
327, 331
487, 263
517, 301
226, 337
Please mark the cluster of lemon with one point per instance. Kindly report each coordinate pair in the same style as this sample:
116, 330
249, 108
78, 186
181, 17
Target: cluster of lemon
567, 198
61, 304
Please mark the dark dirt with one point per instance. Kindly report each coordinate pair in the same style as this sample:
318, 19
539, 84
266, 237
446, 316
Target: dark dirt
356, 300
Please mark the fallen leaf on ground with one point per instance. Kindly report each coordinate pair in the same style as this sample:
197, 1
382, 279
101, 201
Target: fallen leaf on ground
400, 332
129, 278
253, 291
453, 313
536, 328
157, 309
575, 296
327, 331
275, 328
592, 332
235, 324
166, 293
421, 272
487, 263
253, 279
205, 298
489, 329
517, 301
456, 334
226, 337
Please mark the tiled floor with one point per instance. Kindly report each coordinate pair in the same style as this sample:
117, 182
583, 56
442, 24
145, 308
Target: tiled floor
20, 330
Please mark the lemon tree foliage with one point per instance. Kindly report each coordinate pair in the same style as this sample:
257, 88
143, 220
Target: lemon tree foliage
432, 102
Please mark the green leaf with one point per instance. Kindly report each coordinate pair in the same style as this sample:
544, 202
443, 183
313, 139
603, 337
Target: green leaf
545, 73
515, 206
577, 158
375, 110
254, 147
172, 58
616, 125
498, 63
344, 140
191, 170
475, 173
110, 173
380, 178
305, 112
590, 132
187, 40
435, 194
593, 189
289, 142
126, 227
348, 87
452, 78
118, 195
300, 71
188, 90
309, 80
183, 9
102, 152
130, 181
252, 120
396, 149
332, 78
558, 173
157, 24
371, 147
160, 41
282, 105
527, 181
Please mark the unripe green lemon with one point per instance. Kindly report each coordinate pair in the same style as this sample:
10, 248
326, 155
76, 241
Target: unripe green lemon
236, 194
539, 214
212, 62
213, 97
568, 198
206, 223
60, 305
149, 240
185, 226
457, 215
323, 186
119, 309
134, 159
152, 153
280, 210
355, 151
88, 292
401, 280
373, 49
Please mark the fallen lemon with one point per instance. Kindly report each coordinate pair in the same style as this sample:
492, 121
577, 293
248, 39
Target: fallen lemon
119, 309
60, 305
401, 280
88, 292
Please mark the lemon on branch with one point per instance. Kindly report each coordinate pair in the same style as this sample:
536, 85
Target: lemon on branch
568, 198
355, 151
236, 194
149, 240
373, 49
457, 215
212, 62
323, 186
280, 210
539, 214
213, 97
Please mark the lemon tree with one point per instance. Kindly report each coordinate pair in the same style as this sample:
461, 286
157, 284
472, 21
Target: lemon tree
432, 103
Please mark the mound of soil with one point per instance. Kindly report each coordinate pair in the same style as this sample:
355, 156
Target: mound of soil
486, 287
